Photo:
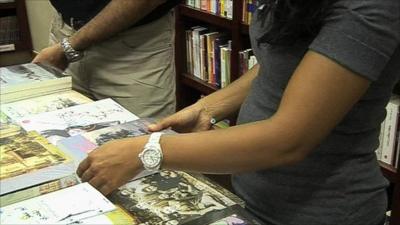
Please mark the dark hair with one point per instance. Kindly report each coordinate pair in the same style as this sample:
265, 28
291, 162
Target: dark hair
290, 21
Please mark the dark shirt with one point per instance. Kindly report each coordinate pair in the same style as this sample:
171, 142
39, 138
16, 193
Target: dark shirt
84, 10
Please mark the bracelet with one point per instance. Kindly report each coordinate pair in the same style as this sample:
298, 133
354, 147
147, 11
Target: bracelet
213, 120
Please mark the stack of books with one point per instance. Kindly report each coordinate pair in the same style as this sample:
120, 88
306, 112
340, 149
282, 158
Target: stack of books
223, 8
43, 139
208, 56
31, 80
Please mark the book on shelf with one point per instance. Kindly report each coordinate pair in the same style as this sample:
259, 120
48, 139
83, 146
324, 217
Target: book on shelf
198, 60
248, 8
63, 123
226, 52
223, 8
387, 150
46, 103
9, 33
66, 206
203, 55
246, 60
28, 159
173, 197
18, 82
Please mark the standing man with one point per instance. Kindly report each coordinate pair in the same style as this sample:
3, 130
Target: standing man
123, 49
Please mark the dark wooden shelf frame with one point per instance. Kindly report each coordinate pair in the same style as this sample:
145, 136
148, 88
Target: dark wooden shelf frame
198, 84
389, 172
8, 5
207, 17
25, 42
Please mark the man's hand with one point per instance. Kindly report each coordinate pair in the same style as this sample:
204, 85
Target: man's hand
112, 164
53, 55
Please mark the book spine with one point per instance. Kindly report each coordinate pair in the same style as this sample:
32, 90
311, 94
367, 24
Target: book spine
38, 190
217, 60
390, 133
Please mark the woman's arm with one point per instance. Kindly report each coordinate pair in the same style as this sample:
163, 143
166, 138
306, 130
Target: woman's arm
318, 96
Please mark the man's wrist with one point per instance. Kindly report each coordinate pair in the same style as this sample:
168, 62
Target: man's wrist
70, 53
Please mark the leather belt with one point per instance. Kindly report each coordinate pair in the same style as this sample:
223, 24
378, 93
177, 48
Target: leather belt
75, 23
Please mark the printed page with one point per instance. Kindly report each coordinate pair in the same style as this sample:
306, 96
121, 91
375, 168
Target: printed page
75, 120
24, 73
48, 103
61, 207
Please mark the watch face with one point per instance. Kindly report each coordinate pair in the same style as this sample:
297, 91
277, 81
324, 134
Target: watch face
151, 158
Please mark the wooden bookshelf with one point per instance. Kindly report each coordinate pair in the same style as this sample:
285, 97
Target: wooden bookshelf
8, 5
198, 84
190, 88
24, 43
207, 17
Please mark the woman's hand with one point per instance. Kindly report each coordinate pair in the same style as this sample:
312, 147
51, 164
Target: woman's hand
190, 119
112, 164
53, 55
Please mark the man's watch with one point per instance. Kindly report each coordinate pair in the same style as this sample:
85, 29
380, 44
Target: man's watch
152, 155
70, 53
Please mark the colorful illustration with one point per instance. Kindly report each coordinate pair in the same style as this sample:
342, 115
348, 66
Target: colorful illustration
23, 153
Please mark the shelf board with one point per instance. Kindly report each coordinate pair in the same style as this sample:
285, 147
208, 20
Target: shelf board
204, 16
244, 28
198, 84
8, 5
389, 172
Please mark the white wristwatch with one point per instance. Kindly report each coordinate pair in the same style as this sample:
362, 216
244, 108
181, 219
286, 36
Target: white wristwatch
152, 155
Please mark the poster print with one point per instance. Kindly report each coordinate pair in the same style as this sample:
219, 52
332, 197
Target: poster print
170, 197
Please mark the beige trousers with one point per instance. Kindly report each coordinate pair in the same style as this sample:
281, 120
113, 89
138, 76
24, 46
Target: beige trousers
136, 67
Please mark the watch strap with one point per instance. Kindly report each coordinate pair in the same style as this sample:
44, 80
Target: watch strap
70, 53
155, 138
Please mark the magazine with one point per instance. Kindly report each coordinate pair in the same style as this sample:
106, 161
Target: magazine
66, 206
24, 73
29, 80
28, 159
80, 145
47, 103
63, 123
171, 197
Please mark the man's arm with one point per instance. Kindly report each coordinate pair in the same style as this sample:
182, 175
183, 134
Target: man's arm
115, 17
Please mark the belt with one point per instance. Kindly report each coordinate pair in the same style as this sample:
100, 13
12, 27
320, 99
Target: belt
75, 23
